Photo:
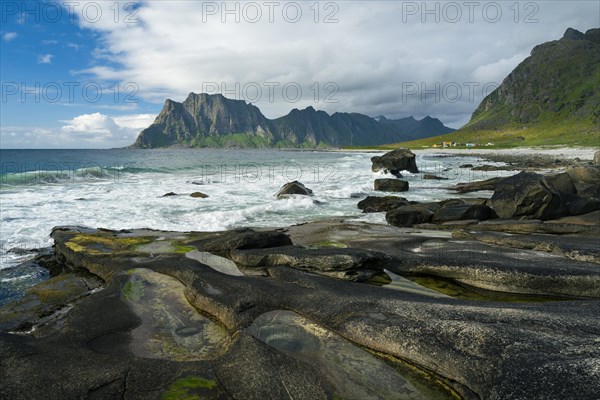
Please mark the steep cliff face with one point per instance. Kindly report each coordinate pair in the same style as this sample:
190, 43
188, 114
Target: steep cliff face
202, 117
559, 81
204, 120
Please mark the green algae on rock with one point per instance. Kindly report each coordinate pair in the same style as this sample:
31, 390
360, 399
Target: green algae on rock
193, 388
171, 328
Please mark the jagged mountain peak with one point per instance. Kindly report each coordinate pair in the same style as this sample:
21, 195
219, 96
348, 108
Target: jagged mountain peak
573, 34
214, 120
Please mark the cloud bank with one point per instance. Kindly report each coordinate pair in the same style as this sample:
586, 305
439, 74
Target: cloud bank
371, 54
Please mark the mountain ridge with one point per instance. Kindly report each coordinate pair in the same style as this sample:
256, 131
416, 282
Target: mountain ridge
212, 120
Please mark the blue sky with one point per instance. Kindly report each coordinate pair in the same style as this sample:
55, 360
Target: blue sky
94, 75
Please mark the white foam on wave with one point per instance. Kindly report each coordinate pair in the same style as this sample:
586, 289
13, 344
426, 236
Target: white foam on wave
29, 212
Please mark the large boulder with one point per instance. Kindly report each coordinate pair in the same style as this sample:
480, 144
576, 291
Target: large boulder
562, 182
597, 158
434, 177
410, 215
587, 175
528, 195
468, 187
294, 187
577, 205
390, 185
458, 212
395, 161
378, 204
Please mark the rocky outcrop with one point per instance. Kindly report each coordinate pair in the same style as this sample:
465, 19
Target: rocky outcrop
199, 195
390, 185
531, 195
348, 264
165, 325
597, 158
468, 187
528, 195
410, 215
395, 162
240, 239
587, 175
434, 177
380, 204
294, 187
462, 212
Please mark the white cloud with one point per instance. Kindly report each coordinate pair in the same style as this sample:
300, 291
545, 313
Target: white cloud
8, 36
45, 58
99, 126
73, 46
51, 41
95, 130
497, 71
371, 53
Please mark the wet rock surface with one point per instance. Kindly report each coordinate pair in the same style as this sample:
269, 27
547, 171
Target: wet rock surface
291, 188
390, 185
469, 314
379, 204
394, 162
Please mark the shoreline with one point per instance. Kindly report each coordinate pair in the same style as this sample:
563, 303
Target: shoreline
566, 152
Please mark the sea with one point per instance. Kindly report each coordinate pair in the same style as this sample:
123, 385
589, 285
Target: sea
124, 188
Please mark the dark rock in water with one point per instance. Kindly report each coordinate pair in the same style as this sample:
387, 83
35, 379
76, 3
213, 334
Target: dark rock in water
390, 185
22, 251
597, 158
466, 166
169, 194
199, 195
395, 161
244, 239
378, 204
589, 175
488, 168
413, 214
344, 263
462, 212
434, 177
488, 184
294, 187
528, 195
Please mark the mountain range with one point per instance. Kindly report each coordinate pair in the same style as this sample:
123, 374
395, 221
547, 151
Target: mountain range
551, 98
205, 120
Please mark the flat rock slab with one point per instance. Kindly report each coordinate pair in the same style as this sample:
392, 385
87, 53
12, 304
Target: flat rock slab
353, 264
353, 372
472, 349
578, 248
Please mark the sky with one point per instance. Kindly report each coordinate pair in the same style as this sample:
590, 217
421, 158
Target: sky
93, 74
